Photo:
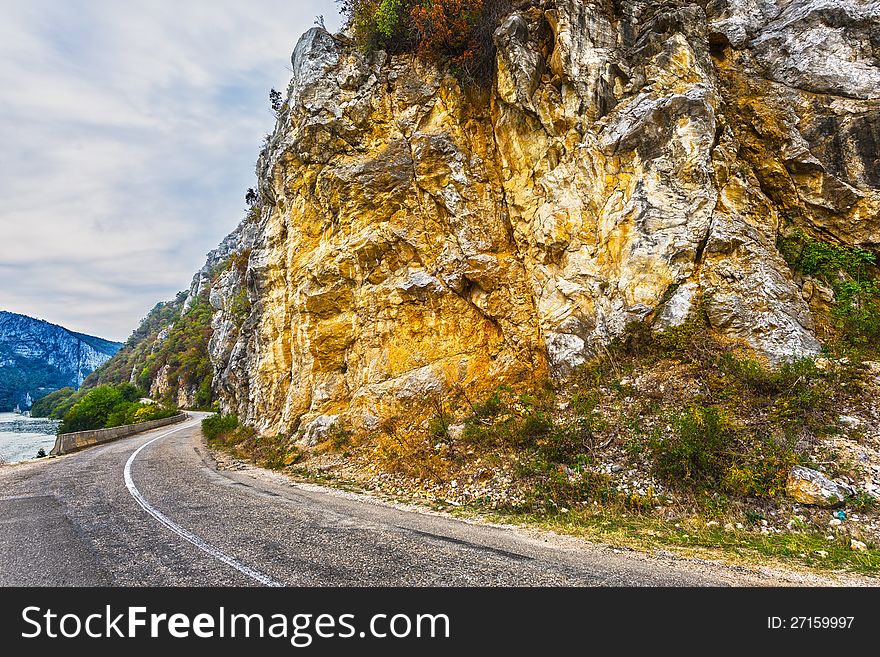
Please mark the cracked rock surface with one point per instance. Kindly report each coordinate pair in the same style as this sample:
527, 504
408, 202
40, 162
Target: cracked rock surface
630, 162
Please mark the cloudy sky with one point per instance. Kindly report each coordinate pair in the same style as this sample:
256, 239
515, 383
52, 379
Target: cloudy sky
128, 136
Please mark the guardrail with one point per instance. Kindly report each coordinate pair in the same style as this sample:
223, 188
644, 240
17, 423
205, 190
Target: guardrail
67, 443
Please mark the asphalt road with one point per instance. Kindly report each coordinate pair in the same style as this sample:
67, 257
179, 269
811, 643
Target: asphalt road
153, 510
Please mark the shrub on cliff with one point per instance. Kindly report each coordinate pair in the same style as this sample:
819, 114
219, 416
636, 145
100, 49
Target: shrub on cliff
457, 33
852, 273
185, 354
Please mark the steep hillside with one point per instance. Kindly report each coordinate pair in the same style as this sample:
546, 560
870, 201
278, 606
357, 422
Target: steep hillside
167, 354
37, 357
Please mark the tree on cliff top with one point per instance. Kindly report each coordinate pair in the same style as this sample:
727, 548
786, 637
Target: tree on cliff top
453, 32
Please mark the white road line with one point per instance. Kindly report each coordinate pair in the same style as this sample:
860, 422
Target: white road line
180, 531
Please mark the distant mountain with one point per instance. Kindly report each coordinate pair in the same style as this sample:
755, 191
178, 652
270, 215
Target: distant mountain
37, 358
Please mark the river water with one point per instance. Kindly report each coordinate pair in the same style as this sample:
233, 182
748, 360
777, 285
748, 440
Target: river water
21, 437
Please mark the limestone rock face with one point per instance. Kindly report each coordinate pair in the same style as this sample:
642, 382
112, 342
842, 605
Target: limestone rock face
630, 163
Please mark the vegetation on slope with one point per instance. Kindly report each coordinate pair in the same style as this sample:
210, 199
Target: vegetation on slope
675, 439
101, 407
56, 404
453, 32
168, 353
119, 369
185, 355
182, 352
852, 274
226, 433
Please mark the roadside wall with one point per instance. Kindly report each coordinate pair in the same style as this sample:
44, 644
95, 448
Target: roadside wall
73, 442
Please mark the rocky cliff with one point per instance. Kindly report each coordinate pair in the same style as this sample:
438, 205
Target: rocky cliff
633, 163
37, 357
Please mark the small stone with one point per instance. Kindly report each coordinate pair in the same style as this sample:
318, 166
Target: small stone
857, 546
822, 553
808, 289
729, 527
712, 523
835, 522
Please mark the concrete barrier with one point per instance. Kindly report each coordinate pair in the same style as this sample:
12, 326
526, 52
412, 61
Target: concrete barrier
67, 443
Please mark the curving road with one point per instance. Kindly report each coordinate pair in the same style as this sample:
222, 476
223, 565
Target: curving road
153, 510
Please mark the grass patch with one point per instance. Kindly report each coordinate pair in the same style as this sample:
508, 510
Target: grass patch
675, 424
226, 434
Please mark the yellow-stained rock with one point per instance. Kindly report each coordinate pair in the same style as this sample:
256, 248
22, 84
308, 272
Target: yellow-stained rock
418, 241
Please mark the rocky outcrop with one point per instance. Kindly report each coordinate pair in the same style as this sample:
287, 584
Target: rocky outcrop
632, 162
37, 358
812, 487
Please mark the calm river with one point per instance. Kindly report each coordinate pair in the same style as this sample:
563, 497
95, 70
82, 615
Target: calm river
21, 437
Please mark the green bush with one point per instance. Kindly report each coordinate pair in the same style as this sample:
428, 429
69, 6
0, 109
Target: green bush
135, 413
824, 260
111, 406
226, 433
789, 378
55, 404
852, 273
122, 414
150, 412
217, 426
387, 17
706, 453
556, 487
698, 453
93, 410
567, 444
762, 471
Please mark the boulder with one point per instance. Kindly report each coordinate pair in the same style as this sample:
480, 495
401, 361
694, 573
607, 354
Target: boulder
811, 487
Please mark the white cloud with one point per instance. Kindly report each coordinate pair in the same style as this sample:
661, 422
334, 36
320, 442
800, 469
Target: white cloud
129, 133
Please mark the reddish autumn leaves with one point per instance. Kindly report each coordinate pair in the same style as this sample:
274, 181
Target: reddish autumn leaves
457, 33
